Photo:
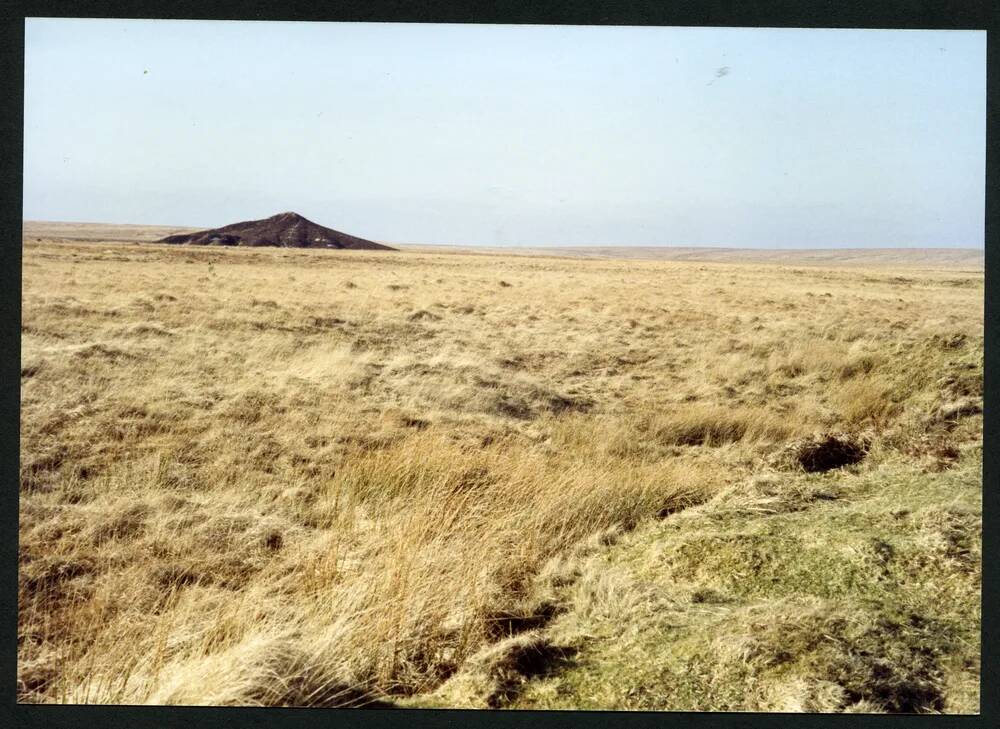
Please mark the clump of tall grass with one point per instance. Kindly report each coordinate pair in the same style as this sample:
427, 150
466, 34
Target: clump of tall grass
455, 537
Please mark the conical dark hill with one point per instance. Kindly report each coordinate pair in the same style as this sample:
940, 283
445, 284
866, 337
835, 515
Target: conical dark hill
285, 230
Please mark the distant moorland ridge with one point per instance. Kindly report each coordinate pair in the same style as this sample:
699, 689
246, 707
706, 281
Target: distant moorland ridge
950, 258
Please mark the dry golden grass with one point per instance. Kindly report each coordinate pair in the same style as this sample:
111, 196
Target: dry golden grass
288, 477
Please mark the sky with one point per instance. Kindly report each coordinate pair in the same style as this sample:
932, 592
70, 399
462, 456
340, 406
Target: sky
512, 135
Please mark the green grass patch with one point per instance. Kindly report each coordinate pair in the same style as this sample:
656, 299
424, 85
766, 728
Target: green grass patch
846, 591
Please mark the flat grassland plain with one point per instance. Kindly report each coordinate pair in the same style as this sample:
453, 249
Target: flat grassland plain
343, 478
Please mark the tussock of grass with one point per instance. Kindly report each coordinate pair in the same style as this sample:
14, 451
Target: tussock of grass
714, 425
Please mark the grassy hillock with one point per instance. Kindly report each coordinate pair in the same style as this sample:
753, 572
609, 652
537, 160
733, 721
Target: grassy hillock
843, 591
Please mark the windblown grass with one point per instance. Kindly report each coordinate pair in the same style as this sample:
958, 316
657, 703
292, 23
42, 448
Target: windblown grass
284, 477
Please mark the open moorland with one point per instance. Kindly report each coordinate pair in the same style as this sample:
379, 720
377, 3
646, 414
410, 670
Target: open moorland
346, 478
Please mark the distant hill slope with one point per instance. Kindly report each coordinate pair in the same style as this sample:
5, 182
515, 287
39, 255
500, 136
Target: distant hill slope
971, 258
285, 230
108, 232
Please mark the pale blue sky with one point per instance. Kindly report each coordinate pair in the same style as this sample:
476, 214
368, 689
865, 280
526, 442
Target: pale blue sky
512, 135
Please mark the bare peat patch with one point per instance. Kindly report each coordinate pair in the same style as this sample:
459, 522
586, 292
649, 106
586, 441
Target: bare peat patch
830, 451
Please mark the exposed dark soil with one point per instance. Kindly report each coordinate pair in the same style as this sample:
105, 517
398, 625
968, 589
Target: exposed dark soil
285, 230
831, 451
504, 624
510, 663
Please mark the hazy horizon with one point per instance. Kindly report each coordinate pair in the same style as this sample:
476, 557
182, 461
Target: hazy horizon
529, 136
